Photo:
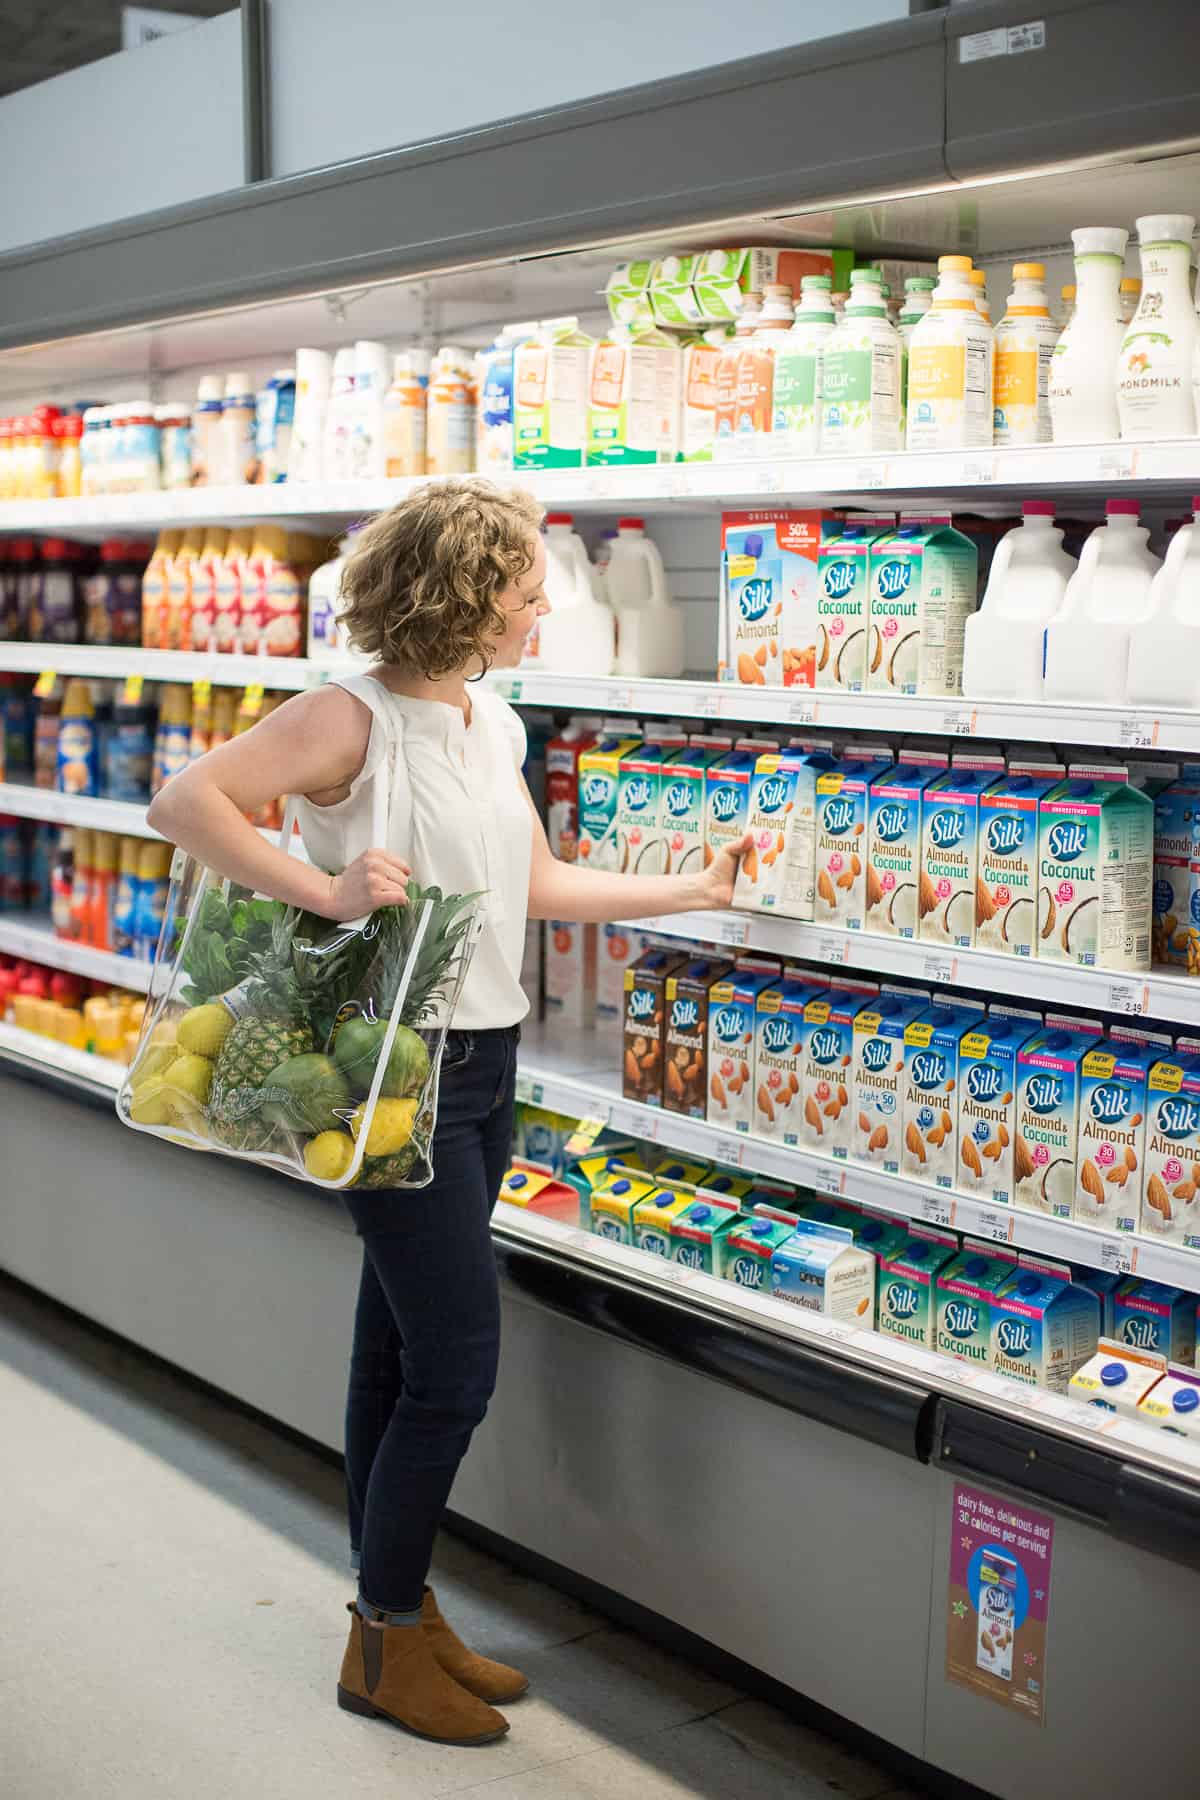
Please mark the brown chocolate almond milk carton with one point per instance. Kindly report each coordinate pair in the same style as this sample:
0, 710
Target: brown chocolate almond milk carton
685, 1067
644, 1024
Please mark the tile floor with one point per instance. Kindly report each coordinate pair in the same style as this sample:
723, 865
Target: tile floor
174, 1580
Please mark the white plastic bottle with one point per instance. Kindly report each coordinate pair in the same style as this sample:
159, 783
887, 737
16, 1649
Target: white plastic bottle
1083, 369
327, 641
404, 415
861, 371
1004, 643
206, 432
1025, 340
1154, 370
756, 374
314, 372
1130, 294
238, 461
578, 635
1164, 651
372, 367
796, 428
339, 417
450, 435
983, 305
1067, 297
725, 421
1107, 599
649, 625
950, 367
918, 298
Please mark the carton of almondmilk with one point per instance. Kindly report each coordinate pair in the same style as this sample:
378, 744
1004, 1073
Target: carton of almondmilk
826, 1063
1171, 1187
1043, 1327
950, 813
987, 1103
1048, 1078
1096, 866
1110, 1146
894, 840
840, 835
876, 1097
1006, 882
932, 1067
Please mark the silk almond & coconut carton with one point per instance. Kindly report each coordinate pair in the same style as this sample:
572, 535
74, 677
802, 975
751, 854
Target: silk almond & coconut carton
779, 1038
843, 583
732, 1017
1006, 881
987, 1103
685, 1077
840, 835
1048, 1082
1176, 924
1171, 1190
1110, 1149
1095, 870
876, 1094
932, 1067
947, 900
1044, 1327
827, 1063
894, 818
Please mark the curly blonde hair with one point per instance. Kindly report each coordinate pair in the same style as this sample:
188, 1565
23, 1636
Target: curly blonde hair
421, 587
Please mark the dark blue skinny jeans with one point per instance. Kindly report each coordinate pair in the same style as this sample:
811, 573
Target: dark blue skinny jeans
427, 1326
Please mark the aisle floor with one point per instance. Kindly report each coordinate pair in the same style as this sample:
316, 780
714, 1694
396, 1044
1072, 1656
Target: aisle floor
174, 1584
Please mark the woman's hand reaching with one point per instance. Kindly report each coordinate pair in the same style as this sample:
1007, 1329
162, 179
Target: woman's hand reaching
372, 880
718, 879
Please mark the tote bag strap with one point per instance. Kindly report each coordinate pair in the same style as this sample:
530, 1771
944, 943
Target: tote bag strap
391, 795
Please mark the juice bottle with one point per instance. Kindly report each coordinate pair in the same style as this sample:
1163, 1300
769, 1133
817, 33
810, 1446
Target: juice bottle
1025, 340
228, 591
238, 455
56, 595
173, 740
755, 397
404, 415
125, 902
861, 377
154, 587
725, 419
69, 431
206, 431
78, 756
202, 713
102, 890
204, 588
78, 917
450, 432
175, 625
950, 367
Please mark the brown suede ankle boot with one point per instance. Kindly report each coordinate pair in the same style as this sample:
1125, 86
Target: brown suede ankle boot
391, 1672
491, 1681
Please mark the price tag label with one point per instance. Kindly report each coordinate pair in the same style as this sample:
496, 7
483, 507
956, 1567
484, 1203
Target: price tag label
767, 480
802, 712
585, 1135
939, 968
705, 702
1117, 1257
935, 1209
979, 470
871, 475
523, 1089
1118, 464
618, 699
728, 1148
44, 684
1134, 733
960, 723
131, 691
996, 1227
833, 949
732, 930
598, 487
647, 1122
1128, 996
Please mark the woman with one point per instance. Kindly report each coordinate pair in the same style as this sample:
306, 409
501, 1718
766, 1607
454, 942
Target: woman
442, 587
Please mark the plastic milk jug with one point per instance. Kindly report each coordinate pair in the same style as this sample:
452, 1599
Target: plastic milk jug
649, 626
1164, 650
1154, 368
1004, 641
578, 634
796, 423
950, 367
1025, 340
1107, 599
1083, 369
861, 374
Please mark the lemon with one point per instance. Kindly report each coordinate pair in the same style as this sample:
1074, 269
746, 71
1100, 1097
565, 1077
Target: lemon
165, 1032
148, 1102
203, 1030
156, 1060
328, 1155
391, 1127
188, 1081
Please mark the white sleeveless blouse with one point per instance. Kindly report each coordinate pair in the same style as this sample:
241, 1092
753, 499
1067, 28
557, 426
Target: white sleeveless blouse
458, 817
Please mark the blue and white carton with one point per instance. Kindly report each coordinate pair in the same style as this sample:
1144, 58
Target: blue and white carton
987, 1102
1043, 1326
877, 1089
819, 1269
932, 1071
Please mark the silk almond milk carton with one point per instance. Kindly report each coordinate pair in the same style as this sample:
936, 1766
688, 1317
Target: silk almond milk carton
932, 1064
1048, 1079
769, 602
947, 902
894, 841
987, 1103
778, 1045
727, 785
1110, 1151
1176, 927
777, 873
840, 835
732, 1003
644, 1024
1095, 870
1171, 1191
876, 1097
826, 1066
1006, 881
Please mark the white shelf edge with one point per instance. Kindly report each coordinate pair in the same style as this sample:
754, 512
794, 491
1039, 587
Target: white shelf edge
33, 938
115, 662
591, 1094
62, 1059
1155, 994
27, 802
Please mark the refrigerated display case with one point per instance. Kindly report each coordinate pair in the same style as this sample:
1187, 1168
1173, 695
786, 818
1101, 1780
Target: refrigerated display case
796, 1488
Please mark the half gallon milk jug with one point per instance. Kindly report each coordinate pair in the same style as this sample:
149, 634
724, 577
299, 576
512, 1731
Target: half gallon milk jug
1108, 597
1154, 370
1164, 652
327, 640
1004, 642
1025, 340
578, 635
649, 627
1083, 369
950, 367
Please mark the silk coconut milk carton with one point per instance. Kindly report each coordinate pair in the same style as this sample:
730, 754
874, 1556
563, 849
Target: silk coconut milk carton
894, 840
842, 592
682, 801
1095, 870
923, 581
826, 1065
1171, 1190
966, 1290
878, 1075
932, 1063
987, 1103
778, 1045
1048, 1082
905, 1305
1044, 1328
1006, 880
732, 1016
1110, 1147
641, 837
840, 835
948, 899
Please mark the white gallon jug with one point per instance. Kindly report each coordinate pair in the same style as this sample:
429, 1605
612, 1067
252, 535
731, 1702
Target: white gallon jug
1108, 597
649, 626
1164, 651
1004, 644
578, 635
328, 644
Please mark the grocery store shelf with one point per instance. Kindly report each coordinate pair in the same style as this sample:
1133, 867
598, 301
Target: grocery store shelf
31, 935
24, 801
585, 1081
29, 1047
114, 663
1174, 999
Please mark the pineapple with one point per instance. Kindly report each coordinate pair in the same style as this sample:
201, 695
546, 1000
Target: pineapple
269, 1026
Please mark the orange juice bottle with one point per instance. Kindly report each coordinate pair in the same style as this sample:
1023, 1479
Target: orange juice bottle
204, 589
154, 588
404, 415
102, 889
450, 428
202, 713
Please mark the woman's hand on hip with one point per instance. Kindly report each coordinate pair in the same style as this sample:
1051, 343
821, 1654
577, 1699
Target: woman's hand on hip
721, 873
372, 880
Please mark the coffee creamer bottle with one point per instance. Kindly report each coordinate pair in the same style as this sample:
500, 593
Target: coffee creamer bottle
1025, 340
1154, 368
861, 374
950, 367
405, 415
796, 426
1083, 370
